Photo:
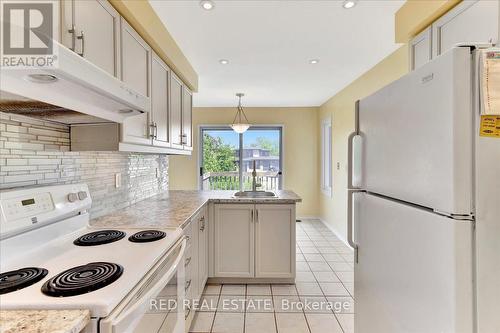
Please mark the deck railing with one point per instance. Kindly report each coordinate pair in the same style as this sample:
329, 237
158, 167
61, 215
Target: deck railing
229, 180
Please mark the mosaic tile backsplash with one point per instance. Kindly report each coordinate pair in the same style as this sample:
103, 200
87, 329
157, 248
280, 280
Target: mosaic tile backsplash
37, 153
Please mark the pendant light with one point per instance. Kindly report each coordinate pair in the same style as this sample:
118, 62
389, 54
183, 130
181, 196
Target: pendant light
240, 122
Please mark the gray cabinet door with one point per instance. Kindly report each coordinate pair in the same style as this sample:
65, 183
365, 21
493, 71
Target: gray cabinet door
469, 22
96, 33
234, 241
175, 111
136, 73
421, 49
159, 101
187, 118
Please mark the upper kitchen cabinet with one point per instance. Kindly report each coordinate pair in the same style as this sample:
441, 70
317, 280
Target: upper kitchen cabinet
91, 28
136, 73
187, 118
421, 49
176, 93
160, 76
469, 22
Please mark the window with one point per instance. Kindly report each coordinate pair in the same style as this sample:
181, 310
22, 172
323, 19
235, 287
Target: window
227, 158
326, 157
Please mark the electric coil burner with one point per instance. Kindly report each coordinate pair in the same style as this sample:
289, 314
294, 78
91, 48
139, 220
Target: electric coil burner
82, 279
99, 237
21, 278
146, 236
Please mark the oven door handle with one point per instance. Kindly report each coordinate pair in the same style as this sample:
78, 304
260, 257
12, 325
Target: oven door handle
114, 324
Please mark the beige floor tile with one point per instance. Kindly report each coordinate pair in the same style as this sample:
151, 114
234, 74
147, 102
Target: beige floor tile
308, 289
259, 304
347, 322
313, 257
322, 323
212, 289
346, 276
322, 243
340, 266
233, 289
283, 289
299, 257
260, 323
342, 304
302, 267
309, 249
326, 277
327, 250
202, 322
208, 303
315, 304
231, 303
333, 257
287, 304
350, 287
229, 323
319, 267
305, 277
291, 323
333, 289
258, 289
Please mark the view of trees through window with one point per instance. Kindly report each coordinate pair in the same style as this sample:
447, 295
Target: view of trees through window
222, 168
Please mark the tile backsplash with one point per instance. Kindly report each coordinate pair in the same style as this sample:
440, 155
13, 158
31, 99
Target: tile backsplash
37, 153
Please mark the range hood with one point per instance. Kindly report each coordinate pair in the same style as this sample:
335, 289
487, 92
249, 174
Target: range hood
74, 91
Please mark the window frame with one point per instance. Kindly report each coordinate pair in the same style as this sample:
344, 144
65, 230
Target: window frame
326, 181
279, 127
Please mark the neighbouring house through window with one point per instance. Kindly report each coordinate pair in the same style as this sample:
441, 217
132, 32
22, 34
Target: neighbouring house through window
227, 158
326, 157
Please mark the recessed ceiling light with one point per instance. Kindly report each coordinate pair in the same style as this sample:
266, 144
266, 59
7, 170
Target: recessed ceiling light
313, 61
348, 4
207, 4
224, 61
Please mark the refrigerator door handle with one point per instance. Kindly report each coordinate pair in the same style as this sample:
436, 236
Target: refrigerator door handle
350, 218
350, 145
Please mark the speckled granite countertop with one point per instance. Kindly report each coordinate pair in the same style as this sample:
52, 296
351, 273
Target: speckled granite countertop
43, 321
174, 208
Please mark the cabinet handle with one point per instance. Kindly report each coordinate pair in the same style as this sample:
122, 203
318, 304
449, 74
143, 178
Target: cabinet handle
188, 260
152, 130
73, 39
188, 284
82, 38
187, 313
156, 131
202, 220
252, 215
257, 215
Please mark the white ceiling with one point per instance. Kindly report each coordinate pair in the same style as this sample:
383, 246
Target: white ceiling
269, 45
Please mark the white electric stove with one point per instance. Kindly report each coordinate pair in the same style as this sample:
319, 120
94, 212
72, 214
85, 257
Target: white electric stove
52, 259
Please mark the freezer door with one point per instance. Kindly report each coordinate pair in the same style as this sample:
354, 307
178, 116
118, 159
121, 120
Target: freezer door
417, 136
414, 269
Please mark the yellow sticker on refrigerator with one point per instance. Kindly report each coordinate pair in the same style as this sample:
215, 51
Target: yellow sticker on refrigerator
490, 126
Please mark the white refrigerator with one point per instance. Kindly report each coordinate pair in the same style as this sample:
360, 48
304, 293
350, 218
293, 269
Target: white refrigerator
424, 204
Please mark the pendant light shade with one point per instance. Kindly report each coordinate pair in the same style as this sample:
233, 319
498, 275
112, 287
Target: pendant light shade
240, 122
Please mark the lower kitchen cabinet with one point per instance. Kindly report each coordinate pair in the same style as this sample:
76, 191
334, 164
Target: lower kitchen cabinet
196, 261
275, 241
234, 241
254, 241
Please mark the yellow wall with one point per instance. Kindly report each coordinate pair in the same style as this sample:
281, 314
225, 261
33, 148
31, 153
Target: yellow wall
299, 143
340, 108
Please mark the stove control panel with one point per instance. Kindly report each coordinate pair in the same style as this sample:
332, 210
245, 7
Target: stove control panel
29, 208
27, 205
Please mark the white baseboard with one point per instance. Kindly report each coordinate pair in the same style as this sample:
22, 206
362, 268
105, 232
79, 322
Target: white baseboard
334, 232
308, 218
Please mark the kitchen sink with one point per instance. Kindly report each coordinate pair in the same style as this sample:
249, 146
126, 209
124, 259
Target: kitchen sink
255, 194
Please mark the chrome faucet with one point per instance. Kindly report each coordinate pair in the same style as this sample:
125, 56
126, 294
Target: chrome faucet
254, 181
